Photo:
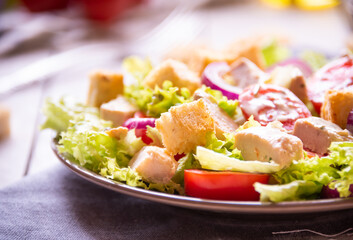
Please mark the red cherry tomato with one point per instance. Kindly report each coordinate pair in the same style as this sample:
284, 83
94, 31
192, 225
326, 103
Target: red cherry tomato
222, 185
104, 10
44, 5
337, 74
268, 103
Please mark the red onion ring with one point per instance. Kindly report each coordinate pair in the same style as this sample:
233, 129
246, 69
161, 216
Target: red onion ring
212, 77
139, 123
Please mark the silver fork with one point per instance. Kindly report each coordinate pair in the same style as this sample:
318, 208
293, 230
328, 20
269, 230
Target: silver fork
161, 37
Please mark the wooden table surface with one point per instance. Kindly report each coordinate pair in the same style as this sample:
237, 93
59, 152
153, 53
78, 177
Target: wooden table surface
27, 151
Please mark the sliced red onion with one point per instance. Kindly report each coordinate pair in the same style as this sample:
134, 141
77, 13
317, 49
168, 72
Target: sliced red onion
327, 192
212, 77
296, 62
139, 123
350, 122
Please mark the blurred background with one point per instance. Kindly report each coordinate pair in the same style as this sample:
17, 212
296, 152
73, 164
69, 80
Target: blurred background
48, 48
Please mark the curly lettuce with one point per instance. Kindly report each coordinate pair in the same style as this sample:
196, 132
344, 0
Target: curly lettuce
83, 140
334, 170
229, 106
274, 52
156, 101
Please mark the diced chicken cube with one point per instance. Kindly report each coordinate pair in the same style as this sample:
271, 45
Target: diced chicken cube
154, 164
4, 122
176, 72
317, 134
185, 126
223, 122
245, 73
117, 111
292, 78
268, 144
117, 133
104, 86
337, 105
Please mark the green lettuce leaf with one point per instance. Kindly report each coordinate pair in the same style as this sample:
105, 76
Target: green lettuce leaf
59, 113
226, 147
157, 101
186, 162
296, 190
82, 139
229, 106
216, 161
273, 52
335, 170
137, 67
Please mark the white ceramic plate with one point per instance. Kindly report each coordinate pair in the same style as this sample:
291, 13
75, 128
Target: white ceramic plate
321, 205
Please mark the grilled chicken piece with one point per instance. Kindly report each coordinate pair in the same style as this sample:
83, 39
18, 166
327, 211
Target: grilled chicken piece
223, 122
268, 144
292, 78
117, 111
245, 73
317, 134
154, 164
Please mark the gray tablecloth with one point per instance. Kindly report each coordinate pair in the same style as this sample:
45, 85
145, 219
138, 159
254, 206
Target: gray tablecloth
57, 204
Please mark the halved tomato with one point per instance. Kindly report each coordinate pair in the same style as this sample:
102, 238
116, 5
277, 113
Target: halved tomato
235, 186
268, 103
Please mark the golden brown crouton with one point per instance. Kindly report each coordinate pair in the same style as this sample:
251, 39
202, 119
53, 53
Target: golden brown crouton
104, 86
185, 126
117, 133
249, 48
4, 122
176, 72
337, 105
118, 111
200, 58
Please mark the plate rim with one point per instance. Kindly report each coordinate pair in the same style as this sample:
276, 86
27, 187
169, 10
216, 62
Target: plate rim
249, 207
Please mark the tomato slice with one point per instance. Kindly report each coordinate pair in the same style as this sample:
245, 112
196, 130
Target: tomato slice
337, 74
268, 103
222, 185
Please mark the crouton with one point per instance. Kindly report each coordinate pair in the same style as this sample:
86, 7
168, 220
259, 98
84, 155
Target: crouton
117, 111
337, 105
185, 126
154, 164
117, 133
4, 122
223, 122
249, 48
104, 86
174, 71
